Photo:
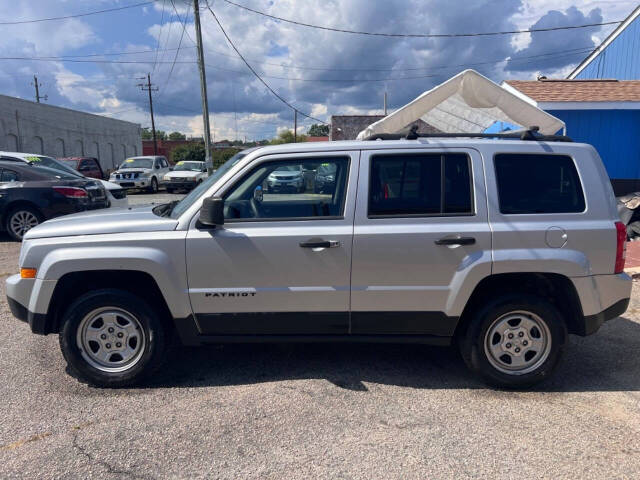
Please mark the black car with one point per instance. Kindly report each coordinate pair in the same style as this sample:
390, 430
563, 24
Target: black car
31, 194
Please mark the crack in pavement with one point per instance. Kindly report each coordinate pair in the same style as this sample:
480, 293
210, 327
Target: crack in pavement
110, 468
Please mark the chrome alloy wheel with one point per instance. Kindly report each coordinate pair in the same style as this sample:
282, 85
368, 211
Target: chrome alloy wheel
21, 222
111, 339
517, 342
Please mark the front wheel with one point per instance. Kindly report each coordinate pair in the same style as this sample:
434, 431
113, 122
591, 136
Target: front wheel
153, 187
111, 338
515, 341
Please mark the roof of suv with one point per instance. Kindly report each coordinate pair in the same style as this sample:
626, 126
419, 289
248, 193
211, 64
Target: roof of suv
403, 143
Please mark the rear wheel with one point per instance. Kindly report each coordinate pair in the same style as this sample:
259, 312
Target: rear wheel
111, 338
20, 220
515, 341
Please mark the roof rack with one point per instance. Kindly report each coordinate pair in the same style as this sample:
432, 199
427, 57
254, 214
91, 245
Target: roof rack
531, 133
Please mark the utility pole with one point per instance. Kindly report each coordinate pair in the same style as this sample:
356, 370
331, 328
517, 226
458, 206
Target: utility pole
385, 103
38, 85
295, 126
148, 87
203, 88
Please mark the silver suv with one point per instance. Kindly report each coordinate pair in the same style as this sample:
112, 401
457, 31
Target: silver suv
500, 246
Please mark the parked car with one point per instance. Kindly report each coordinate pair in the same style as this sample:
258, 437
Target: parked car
185, 176
86, 166
287, 178
116, 195
141, 172
31, 194
325, 179
499, 246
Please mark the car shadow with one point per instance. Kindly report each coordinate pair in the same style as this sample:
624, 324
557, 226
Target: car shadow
606, 361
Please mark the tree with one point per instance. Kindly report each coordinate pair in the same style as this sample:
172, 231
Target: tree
286, 136
221, 156
317, 130
177, 136
189, 151
147, 134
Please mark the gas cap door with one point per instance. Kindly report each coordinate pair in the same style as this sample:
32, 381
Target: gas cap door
556, 237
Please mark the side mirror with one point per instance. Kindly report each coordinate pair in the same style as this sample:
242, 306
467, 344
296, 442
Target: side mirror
157, 167
171, 168
212, 212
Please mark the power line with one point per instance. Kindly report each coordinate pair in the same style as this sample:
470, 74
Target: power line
184, 30
185, 20
159, 36
253, 71
421, 35
77, 15
294, 79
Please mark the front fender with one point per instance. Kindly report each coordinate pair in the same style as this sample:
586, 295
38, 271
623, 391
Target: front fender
165, 263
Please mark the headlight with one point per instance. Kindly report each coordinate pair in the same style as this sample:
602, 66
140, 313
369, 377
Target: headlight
166, 178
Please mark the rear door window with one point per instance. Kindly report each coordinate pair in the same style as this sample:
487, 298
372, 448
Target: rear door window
420, 185
8, 176
538, 183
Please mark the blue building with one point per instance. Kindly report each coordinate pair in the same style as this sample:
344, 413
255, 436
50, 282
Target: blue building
600, 102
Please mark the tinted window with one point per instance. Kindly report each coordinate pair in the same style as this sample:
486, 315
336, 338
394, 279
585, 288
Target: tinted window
9, 176
427, 184
288, 189
538, 184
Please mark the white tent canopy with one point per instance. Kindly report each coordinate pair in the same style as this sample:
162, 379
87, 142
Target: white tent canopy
466, 103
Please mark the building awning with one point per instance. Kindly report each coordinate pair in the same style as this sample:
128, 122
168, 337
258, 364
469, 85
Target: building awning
467, 103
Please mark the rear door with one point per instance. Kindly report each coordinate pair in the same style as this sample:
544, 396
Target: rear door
421, 238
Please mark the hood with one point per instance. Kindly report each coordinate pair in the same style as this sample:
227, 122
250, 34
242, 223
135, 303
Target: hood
134, 170
95, 222
182, 174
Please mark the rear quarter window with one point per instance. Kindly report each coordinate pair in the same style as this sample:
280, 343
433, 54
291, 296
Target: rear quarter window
538, 183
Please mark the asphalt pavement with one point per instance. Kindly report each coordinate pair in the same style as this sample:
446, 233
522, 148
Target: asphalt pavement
319, 411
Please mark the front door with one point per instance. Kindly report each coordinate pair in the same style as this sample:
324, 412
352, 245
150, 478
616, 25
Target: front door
421, 238
280, 265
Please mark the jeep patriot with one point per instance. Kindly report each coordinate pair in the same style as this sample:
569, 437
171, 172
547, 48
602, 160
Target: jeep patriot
500, 246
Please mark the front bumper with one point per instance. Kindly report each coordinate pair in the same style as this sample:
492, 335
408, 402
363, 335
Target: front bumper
178, 184
133, 182
37, 321
28, 299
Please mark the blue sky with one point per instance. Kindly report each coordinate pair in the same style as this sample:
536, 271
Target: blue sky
322, 73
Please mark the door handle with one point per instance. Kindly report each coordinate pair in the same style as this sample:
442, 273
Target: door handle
456, 241
320, 244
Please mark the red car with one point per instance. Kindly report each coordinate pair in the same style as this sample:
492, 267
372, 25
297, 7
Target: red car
87, 166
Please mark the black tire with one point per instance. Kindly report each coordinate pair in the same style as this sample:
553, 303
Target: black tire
153, 187
12, 216
149, 357
475, 343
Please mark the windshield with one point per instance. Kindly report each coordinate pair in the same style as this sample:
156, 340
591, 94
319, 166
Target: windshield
137, 163
189, 167
50, 163
68, 162
187, 201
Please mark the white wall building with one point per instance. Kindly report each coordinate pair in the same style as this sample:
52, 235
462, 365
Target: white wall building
32, 127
